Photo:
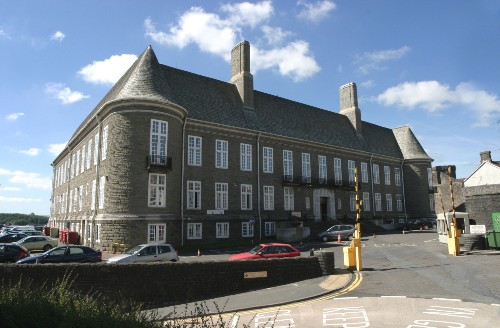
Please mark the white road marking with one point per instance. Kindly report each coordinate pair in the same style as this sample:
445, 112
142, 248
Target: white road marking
447, 299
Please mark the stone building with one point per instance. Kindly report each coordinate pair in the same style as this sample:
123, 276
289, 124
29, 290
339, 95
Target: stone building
169, 155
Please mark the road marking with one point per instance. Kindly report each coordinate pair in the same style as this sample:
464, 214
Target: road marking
494, 304
345, 298
234, 322
393, 296
447, 299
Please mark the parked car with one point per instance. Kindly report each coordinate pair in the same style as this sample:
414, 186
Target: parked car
265, 251
65, 254
12, 252
37, 243
12, 237
147, 253
346, 231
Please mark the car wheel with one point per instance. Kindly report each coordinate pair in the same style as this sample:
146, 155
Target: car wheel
173, 260
324, 238
46, 248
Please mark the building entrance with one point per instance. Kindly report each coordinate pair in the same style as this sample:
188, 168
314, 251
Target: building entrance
323, 208
324, 201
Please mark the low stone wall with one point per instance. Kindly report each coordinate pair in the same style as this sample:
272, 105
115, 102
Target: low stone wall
162, 284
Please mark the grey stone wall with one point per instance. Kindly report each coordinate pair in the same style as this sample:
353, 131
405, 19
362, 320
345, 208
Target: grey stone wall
481, 201
417, 192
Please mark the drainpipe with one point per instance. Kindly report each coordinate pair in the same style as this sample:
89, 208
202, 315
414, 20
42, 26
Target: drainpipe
258, 186
373, 191
52, 207
403, 185
182, 179
97, 182
68, 176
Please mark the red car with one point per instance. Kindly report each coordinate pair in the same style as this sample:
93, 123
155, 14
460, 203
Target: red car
265, 251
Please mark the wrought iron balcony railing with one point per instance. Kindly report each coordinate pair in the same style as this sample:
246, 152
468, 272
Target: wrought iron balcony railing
159, 162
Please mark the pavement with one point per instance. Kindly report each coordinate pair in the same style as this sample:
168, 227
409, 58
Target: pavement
267, 297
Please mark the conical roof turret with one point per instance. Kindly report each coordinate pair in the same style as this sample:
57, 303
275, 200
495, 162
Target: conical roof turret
409, 144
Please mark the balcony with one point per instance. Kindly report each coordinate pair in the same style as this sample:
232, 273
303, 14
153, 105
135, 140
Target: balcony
316, 182
162, 163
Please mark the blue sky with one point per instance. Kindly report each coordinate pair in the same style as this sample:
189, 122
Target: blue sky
433, 65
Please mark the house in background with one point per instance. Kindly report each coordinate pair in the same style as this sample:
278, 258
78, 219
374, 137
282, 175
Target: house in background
172, 156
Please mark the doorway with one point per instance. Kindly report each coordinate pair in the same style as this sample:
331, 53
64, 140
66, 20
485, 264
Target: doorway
323, 208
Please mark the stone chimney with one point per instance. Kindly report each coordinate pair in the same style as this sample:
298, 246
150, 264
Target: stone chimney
485, 156
349, 106
240, 72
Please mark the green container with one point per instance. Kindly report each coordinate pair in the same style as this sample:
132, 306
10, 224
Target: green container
495, 218
493, 238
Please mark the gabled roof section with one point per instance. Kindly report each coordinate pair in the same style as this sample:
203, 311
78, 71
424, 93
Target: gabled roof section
409, 145
487, 173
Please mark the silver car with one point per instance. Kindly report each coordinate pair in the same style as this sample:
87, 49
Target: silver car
147, 253
346, 231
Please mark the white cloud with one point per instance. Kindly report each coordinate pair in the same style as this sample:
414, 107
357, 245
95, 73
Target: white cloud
433, 96
56, 149
317, 11
107, 71
63, 93
3, 34
248, 14
31, 180
58, 36
4, 199
31, 152
14, 116
274, 35
368, 84
370, 61
9, 189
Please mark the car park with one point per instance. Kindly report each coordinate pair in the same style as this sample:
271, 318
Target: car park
12, 237
345, 231
66, 254
147, 253
38, 243
11, 253
266, 251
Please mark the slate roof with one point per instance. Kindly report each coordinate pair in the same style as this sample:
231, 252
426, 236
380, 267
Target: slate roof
215, 101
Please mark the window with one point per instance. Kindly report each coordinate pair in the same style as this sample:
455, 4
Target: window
339, 203
104, 146
352, 201
246, 229
70, 209
378, 202
431, 202
80, 198
387, 175
308, 203
397, 177
194, 151
92, 201
89, 153
77, 167
96, 148
268, 198
194, 231
246, 157
366, 201
351, 166
222, 230
270, 229
429, 178
337, 170
375, 173
388, 200
267, 163
157, 186
220, 196
306, 167
364, 172
322, 169
288, 165
102, 183
157, 233
399, 203
158, 142
194, 195
83, 159
97, 233
288, 198
73, 160
246, 197
221, 154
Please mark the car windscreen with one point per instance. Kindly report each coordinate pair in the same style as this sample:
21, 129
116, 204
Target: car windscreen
133, 250
255, 249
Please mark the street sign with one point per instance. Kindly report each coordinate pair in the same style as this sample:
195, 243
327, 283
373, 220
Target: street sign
479, 229
252, 221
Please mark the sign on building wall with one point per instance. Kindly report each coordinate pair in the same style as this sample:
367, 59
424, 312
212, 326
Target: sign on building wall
479, 229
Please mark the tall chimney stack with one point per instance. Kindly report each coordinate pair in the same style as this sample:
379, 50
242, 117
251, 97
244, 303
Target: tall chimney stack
349, 106
240, 72
485, 156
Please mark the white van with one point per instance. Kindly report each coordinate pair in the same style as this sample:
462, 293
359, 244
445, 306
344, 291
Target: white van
23, 228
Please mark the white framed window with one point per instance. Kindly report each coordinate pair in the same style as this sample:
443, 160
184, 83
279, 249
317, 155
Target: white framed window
157, 233
322, 169
194, 151
270, 229
399, 203
245, 157
431, 202
94, 189
308, 203
89, 153
222, 230
97, 233
104, 147
80, 198
89, 231
388, 201
267, 160
96, 148
269, 198
194, 195
351, 166
221, 196
194, 230
352, 201
337, 170
158, 141
397, 176
376, 174
246, 197
429, 178
75, 200
378, 202
387, 175
364, 172
77, 167
288, 164
102, 184
83, 159
157, 187
339, 203
70, 208
306, 167
221, 148
246, 229
366, 201
288, 198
